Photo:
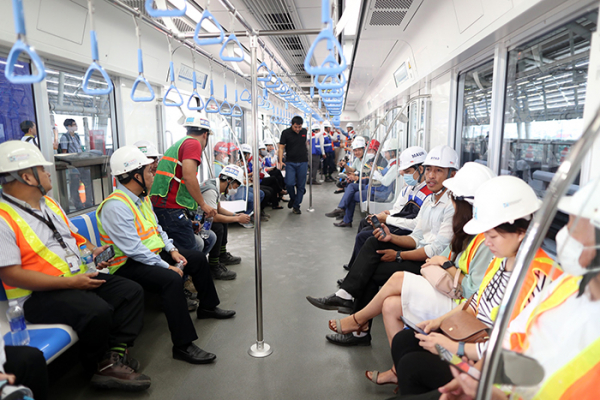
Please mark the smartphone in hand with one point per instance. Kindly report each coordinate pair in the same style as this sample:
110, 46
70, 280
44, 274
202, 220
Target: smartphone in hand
412, 326
106, 255
377, 225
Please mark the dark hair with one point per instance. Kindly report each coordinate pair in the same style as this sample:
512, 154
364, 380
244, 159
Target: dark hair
519, 226
463, 212
127, 177
26, 125
68, 122
192, 130
297, 120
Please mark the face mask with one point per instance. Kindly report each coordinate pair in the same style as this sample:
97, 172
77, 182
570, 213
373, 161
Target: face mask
370, 156
569, 251
263, 153
410, 180
231, 192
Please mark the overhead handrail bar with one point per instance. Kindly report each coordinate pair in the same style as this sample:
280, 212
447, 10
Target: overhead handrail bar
19, 47
160, 13
172, 80
195, 95
532, 241
95, 65
140, 78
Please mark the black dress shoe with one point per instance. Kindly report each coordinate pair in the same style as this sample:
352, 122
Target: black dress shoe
332, 302
340, 281
339, 191
297, 211
216, 313
335, 213
193, 354
347, 267
343, 224
290, 204
349, 339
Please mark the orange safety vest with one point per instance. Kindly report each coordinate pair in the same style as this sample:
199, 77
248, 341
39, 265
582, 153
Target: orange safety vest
35, 256
541, 263
469, 253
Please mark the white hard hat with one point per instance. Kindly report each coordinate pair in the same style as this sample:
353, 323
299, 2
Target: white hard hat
326, 124
261, 145
584, 202
147, 148
443, 157
246, 148
127, 159
349, 125
500, 200
391, 145
412, 156
359, 143
197, 122
16, 155
234, 172
269, 142
316, 127
468, 179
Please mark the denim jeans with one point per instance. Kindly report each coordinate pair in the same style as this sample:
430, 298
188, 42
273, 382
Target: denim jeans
205, 245
295, 181
178, 227
241, 195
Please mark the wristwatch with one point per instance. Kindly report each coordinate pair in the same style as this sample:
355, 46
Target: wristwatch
448, 264
461, 349
174, 249
399, 256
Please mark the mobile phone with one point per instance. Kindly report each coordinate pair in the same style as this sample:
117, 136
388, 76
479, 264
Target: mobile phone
412, 326
456, 362
342, 175
106, 255
377, 225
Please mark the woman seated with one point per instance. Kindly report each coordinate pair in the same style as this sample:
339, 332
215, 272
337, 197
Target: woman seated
503, 208
413, 296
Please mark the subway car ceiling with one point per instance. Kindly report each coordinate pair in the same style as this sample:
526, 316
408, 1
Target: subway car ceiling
452, 51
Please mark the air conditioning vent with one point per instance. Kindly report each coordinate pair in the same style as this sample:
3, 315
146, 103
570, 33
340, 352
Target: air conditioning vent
394, 4
182, 26
387, 18
280, 21
292, 43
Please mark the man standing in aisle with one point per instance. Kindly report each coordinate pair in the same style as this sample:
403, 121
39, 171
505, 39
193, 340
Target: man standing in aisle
176, 188
30, 132
293, 141
317, 152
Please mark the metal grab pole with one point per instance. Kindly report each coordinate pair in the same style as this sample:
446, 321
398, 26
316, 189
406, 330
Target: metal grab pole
310, 207
260, 348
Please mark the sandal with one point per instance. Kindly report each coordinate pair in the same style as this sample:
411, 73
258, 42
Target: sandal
375, 376
338, 326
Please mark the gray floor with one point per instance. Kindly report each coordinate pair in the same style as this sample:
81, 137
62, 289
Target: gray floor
302, 255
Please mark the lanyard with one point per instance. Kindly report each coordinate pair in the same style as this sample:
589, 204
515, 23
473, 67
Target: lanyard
48, 222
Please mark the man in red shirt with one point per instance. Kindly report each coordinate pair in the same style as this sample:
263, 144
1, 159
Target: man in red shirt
176, 191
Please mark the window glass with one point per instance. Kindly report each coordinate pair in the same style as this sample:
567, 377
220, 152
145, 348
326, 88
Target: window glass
475, 88
85, 137
139, 118
545, 97
16, 103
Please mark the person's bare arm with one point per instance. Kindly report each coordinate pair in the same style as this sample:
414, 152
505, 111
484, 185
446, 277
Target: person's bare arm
189, 171
226, 216
280, 156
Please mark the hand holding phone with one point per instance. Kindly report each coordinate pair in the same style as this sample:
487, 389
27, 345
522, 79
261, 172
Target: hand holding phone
456, 362
413, 326
377, 225
106, 255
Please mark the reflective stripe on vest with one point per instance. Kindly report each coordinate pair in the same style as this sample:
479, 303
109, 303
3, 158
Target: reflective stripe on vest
165, 173
541, 263
35, 256
145, 225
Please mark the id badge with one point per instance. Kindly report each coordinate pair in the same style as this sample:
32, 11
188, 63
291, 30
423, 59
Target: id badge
73, 263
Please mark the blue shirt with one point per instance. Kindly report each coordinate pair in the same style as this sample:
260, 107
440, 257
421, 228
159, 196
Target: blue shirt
327, 144
316, 147
119, 223
70, 143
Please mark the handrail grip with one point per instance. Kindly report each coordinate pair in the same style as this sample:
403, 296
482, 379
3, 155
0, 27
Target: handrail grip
232, 38
172, 87
195, 94
217, 40
159, 13
95, 66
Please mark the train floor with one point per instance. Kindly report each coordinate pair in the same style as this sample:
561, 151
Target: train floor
302, 255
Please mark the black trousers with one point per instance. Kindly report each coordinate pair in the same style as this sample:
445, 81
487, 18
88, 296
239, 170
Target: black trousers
329, 164
271, 188
418, 370
108, 315
275, 180
28, 365
169, 285
368, 273
314, 166
220, 230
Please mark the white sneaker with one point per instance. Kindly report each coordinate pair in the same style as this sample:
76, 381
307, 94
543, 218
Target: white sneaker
286, 197
249, 225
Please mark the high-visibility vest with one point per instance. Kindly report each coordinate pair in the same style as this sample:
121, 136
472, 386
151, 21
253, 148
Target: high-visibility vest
464, 263
35, 256
541, 263
165, 173
145, 226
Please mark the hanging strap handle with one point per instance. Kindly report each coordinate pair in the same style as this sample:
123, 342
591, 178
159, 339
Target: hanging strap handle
140, 78
159, 13
248, 96
213, 109
172, 87
217, 40
234, 39
195, 95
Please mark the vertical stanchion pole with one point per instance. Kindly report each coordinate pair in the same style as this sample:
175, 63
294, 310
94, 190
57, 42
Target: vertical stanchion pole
310, 207
260, 348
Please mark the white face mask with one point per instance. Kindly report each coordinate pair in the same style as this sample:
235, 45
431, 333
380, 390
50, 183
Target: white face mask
370, 156
569, 251
231, 192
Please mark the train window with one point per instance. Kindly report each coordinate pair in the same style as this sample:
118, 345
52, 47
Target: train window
85, 137
139, 118
475, 103
16, 103
545, 97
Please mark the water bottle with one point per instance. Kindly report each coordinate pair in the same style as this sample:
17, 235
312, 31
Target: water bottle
179, 265
18, 329
87, 259
206, 227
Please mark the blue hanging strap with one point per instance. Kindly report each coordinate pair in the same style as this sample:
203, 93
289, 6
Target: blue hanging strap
331, 81
265, 78
229, 109
217, 40
172, 87
195, 95
19, 47
214, 109
234, 39
158, 13
246, 96
141, 79
270, 84
236, 111
328, 36
94, 66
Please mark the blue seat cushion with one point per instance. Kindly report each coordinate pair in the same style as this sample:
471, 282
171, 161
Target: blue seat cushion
48, 340
87, 225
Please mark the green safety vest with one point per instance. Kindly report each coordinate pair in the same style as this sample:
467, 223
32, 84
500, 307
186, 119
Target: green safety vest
165, 173
145, 225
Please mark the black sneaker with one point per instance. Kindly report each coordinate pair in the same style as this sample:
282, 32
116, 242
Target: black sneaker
228, 259
220, 272
297, 211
